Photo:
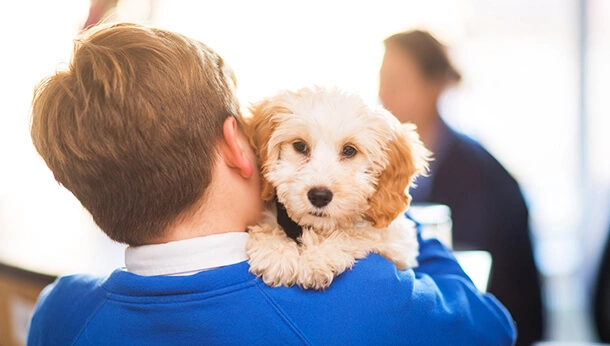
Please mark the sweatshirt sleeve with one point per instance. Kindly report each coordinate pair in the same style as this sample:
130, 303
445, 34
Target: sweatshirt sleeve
62, 309
473, 315
36, 334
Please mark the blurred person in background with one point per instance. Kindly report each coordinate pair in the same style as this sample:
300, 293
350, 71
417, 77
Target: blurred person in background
601, 295
488, 209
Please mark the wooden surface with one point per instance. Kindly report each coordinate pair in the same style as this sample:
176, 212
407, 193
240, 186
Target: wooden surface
19, 290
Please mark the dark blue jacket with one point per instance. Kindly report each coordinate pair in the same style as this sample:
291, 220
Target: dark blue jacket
489, 213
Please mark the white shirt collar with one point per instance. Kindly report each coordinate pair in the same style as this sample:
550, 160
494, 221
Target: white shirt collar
189, 256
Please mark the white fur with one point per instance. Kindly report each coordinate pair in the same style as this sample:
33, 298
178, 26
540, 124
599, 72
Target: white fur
336, 235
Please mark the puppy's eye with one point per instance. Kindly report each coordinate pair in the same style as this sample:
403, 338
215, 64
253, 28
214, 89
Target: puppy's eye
300, 147
349, 151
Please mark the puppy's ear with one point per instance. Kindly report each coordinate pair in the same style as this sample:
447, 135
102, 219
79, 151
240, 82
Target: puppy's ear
407, 158
259, 128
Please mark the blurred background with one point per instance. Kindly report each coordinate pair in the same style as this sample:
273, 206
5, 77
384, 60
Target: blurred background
534, 93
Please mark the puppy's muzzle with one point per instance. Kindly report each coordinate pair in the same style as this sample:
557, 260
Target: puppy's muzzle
319, 196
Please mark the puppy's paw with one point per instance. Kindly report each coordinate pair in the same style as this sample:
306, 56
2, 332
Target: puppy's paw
272, 256
317, 278
318, 266
279, 268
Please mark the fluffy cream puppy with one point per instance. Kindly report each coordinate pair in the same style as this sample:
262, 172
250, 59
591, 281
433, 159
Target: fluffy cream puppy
342, 170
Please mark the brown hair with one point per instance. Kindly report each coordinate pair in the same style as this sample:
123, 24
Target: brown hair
429, 54
131, 127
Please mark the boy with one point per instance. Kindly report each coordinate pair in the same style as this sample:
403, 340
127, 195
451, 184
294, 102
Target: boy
144, 128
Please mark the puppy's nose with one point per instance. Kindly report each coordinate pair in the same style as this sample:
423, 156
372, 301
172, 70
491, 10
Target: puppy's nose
320, 196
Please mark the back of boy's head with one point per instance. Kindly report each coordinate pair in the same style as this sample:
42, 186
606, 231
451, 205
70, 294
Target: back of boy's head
131, 127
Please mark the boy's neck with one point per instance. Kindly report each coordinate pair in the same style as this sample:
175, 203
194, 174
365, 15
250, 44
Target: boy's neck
227, 207
215, 219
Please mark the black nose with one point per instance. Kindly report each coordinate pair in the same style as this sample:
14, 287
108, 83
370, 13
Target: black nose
319, 196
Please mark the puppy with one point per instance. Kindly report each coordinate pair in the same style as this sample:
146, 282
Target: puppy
341, 170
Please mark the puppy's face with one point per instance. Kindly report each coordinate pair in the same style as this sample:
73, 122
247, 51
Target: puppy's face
332, 160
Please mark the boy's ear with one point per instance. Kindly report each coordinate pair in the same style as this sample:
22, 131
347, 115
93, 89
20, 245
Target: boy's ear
234, 150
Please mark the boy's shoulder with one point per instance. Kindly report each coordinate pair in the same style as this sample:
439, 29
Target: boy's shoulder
75, 289
63, 307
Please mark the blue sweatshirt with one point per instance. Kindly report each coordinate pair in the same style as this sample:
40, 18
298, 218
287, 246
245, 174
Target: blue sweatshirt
372, 304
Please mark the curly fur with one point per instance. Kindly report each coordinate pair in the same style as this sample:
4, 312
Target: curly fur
369, 188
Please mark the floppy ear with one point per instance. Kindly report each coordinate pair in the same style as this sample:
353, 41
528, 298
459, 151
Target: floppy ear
407, 158
259, 128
